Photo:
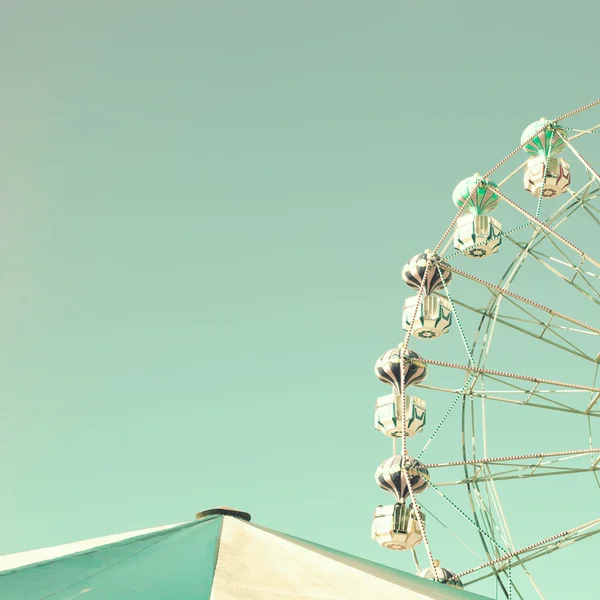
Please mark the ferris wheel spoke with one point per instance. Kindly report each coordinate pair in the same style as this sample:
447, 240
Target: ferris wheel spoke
578, 268
487, 536
549, 328
547, 403
558, 330
499, 519
531, 579
580, 132
502, 374
448, 529
577, 200
469, 519
502, 459
566, 210
591, 405
536, 550
591, 208
517, 473
505, 292
490, 524
496, 525
546, 228
511, 321
482, 513
537, 256
591, 292
581, 199
529, 393
544, 401
522, 467
585, 163
417, 510
591, 214
548, 325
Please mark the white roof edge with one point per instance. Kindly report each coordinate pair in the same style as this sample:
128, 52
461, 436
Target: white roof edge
29, 557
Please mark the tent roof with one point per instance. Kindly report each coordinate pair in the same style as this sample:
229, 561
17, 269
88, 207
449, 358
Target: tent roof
218, 558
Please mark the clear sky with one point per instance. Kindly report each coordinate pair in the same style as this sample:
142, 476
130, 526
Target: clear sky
205, 209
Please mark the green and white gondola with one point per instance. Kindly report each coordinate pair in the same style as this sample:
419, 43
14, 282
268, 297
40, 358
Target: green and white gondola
545, 146
476, 233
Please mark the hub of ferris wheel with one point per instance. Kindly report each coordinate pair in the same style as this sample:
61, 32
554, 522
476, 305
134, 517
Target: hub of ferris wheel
427, 315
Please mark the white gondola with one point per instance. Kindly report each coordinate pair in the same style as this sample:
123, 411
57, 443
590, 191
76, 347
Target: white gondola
396, 527
434, 316
477, 235
388, 415
558, 176
441, 575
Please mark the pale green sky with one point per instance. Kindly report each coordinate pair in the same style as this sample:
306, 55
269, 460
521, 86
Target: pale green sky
205, 211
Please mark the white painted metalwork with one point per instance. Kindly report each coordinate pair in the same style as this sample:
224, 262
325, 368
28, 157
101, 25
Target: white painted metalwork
551, 243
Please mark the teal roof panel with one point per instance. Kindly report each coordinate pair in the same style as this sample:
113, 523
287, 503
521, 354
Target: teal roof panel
147, 567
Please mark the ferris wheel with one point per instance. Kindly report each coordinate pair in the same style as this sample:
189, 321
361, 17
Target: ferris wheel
519, 294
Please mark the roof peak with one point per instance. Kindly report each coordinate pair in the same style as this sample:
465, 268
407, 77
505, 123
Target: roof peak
225, 511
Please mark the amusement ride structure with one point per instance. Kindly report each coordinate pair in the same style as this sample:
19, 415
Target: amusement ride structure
549, 199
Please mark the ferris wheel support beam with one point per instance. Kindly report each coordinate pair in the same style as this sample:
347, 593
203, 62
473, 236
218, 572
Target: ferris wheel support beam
506, 320
560, 540
536, 256
489, 395
512, 474
478, 370
505, 292
577, 268
516, 471
541, 225
592, 403
419, 516
538, 455
585, 163
512, 469
581, 198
